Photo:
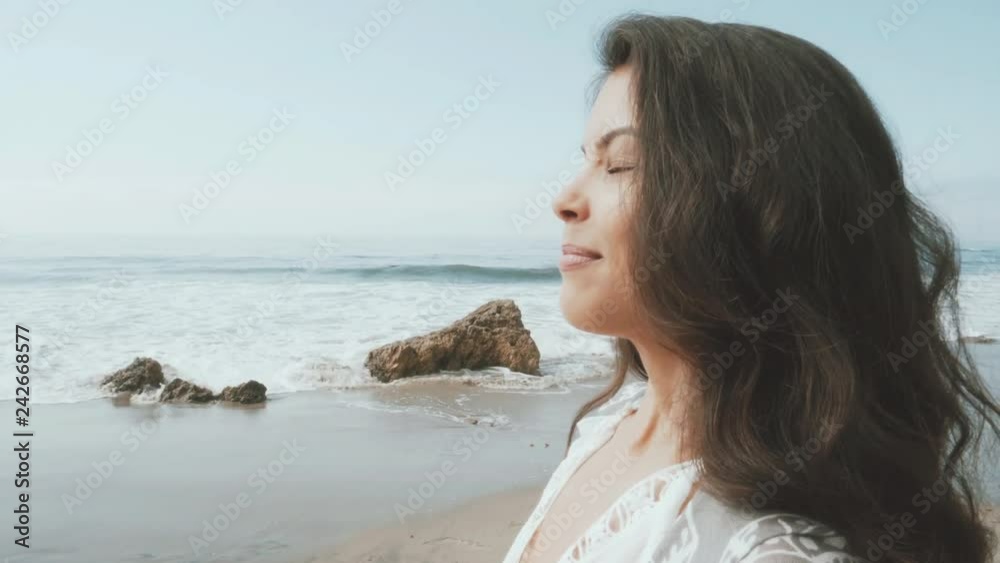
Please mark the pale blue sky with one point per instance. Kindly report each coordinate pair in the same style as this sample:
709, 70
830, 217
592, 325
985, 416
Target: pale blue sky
324, 172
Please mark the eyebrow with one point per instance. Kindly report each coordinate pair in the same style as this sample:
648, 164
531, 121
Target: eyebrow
606, 138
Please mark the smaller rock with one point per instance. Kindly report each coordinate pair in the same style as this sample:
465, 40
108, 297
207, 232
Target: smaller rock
247, 393
142, 374
979, 339
180, 391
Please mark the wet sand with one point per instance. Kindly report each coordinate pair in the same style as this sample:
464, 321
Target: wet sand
280, 483
323, 476
480, 531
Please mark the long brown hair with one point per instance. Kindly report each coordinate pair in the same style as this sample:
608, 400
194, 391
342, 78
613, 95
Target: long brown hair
806, 286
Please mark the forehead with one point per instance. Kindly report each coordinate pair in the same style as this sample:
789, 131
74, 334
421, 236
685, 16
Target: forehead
613, 107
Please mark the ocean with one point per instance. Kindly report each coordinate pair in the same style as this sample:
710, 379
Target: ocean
302, 313
295, 314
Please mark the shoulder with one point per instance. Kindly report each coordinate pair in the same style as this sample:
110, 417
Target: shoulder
733, 535
629, 394
788, 538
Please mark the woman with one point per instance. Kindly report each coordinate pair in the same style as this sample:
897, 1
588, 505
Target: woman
743, 228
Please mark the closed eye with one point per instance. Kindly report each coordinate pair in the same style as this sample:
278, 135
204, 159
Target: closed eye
619, 169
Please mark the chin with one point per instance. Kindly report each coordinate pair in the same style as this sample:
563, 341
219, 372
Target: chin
585, 308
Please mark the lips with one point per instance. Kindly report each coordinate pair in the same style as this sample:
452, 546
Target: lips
574, 256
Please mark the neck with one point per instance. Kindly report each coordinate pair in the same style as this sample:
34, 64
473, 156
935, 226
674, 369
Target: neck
659, 419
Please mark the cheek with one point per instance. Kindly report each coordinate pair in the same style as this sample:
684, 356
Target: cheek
610, 211
620, 272
612, 285
616, 229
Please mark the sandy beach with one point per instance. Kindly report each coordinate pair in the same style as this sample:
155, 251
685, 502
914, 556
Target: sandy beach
397, 473
480, 531
284, 482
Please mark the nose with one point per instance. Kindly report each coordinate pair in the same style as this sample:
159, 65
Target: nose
571, 203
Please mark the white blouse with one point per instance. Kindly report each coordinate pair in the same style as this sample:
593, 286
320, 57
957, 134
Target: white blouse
643, 525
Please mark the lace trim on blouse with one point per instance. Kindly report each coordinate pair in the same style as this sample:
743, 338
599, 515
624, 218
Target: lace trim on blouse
630, 506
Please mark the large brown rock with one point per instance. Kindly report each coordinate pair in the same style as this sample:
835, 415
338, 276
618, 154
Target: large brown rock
492, 335
245, 393
180, 391
141, 375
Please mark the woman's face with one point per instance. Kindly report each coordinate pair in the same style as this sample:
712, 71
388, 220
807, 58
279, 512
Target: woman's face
594, 209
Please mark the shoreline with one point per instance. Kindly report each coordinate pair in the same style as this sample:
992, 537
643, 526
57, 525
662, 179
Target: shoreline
982, 347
